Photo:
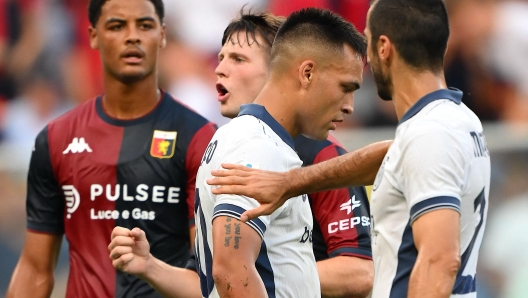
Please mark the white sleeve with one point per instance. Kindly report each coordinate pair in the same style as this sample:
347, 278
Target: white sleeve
433, 164
257, 152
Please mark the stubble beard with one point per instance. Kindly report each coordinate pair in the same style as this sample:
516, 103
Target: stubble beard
131, 78
128, 79
383, 83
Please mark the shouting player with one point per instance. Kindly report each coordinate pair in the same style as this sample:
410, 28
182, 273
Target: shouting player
342, 251
127, 158
430, 197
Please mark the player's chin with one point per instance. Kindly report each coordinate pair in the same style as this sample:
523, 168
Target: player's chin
132, 76
228, 110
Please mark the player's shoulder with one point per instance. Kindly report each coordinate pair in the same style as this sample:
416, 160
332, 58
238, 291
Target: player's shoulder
443, 118
244, 130
245, 136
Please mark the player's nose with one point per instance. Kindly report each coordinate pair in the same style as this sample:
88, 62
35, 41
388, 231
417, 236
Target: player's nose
348, 105
221, 69
133, 35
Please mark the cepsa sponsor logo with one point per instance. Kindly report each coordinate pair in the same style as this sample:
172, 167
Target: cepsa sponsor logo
348, 223
157, 194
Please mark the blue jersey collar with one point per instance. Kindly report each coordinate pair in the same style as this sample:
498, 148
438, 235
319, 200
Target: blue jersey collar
260, 112
452, 94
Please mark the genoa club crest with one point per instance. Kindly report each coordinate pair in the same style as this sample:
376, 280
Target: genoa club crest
163, 143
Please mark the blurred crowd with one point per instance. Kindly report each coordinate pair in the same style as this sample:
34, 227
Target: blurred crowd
47, 67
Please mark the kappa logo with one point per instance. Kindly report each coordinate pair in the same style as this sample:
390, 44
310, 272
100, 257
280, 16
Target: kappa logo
78, 145
72, 199
350, 204
163, 144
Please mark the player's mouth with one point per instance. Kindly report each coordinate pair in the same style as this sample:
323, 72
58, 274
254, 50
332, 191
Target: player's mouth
334, 124
133, 56
223, 93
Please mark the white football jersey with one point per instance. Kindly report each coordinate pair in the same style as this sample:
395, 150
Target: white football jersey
439, 159
286, 262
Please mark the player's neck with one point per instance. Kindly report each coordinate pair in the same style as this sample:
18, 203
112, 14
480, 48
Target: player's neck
410, 86
278, 105
130, 101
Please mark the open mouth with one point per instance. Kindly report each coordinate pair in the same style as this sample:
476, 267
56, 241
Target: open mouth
222, 92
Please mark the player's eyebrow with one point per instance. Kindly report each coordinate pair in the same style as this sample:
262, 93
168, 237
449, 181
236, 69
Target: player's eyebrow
237, 54
115, 20
145, 19
121, 21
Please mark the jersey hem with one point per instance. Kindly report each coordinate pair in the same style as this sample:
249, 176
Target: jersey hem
43, 229
191, 265
351, 251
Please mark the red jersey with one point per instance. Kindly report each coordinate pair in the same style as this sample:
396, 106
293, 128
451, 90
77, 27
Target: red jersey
90, 172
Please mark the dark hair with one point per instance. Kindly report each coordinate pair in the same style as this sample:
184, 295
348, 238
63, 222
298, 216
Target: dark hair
419, 30
94, 10
322, 27
253, 24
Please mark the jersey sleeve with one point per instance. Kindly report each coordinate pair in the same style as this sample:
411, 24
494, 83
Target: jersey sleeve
433, 164
195, 152
44, 202
254, 152
343, 215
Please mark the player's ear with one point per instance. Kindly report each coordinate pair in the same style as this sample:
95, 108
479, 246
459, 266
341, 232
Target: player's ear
94, 43
384, 48
163, 36
306, 73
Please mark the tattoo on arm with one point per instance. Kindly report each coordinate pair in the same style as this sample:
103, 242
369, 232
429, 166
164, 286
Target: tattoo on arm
227, 239
237, 232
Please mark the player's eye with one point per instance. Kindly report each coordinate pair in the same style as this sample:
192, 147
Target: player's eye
116, 27
146, 26
238, 59
348, 89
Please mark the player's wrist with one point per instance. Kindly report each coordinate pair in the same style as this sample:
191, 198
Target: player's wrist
293, 186
149, 269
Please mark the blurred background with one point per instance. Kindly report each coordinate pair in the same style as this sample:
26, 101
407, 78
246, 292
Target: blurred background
47, 68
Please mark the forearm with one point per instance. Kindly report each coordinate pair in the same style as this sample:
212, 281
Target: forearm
354, 168
171, 281
33, 275
28, 282
345, 276
432, 279
437, 264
